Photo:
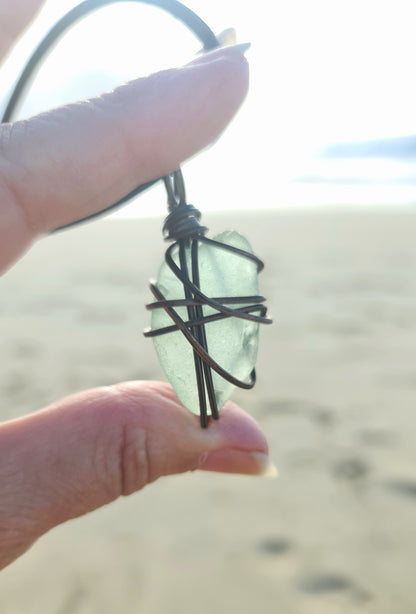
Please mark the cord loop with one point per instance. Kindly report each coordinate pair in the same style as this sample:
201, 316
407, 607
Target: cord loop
183, 219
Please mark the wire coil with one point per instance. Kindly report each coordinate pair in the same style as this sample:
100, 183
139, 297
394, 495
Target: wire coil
188, 233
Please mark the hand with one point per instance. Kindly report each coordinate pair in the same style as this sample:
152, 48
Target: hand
86, 450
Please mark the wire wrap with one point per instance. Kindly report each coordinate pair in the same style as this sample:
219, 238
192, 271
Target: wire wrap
187, 231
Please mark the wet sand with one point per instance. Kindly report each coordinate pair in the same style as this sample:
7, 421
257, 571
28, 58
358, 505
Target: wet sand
336, 395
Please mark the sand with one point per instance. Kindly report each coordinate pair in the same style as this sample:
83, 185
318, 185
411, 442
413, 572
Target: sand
336, 395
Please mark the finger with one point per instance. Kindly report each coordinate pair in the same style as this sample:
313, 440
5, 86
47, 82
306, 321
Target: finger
71, 162
90, 448
14, 17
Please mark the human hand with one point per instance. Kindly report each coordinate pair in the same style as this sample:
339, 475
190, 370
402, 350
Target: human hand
88, 449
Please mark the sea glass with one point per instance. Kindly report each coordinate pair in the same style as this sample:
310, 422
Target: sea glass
232, 342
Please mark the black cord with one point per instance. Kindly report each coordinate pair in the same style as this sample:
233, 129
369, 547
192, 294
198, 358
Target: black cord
175, 8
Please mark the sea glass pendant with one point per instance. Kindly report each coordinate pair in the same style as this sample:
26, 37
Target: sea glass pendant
205, 320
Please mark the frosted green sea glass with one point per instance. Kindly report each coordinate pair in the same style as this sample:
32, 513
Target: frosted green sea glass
232, 342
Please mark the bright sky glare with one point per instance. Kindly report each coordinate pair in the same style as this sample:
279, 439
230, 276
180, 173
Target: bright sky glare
321, 71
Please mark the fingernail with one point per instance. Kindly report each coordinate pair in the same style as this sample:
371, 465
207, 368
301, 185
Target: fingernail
221, 52
238, 461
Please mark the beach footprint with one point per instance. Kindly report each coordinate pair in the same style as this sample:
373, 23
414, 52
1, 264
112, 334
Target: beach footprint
352, 469
402, 486
274, 545
321, 583
376, 437
326, 583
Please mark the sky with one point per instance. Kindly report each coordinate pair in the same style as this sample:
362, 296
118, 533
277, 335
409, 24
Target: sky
321, 72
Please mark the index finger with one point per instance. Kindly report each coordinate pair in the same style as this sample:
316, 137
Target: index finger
71, 162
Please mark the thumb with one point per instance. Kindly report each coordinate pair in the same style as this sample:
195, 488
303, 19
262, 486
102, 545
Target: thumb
90, 448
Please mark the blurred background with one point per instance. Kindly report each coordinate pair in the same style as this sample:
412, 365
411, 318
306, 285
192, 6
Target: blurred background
325, 143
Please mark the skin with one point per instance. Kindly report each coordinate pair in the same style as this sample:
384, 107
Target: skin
86, 450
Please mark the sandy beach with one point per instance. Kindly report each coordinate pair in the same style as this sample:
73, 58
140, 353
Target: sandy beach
336, 396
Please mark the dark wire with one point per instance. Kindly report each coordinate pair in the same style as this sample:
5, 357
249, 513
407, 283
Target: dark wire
190, 19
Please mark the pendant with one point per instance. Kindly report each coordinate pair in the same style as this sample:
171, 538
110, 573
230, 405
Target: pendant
205, 320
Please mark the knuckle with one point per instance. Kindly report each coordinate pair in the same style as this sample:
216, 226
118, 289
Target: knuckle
134, 461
